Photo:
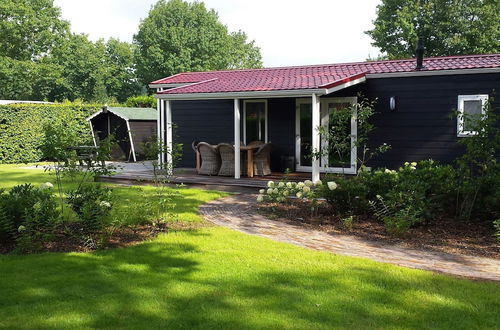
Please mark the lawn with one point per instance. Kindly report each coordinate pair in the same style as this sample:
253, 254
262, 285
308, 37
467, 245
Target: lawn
217, 278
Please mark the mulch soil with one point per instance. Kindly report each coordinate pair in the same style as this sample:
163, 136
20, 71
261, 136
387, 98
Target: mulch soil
444, 235
65, 240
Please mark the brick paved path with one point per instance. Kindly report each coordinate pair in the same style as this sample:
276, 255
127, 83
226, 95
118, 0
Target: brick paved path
238, 212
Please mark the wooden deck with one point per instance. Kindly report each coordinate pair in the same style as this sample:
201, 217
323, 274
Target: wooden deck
137, 174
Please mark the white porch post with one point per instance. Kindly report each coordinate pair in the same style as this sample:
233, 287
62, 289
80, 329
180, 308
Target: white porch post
169, 143
237, 138
315, 135
158, 122
162, 131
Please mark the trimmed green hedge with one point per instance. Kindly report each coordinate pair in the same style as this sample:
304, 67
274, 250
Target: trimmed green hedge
21, 127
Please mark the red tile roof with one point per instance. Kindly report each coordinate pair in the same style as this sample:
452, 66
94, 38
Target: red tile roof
312, 76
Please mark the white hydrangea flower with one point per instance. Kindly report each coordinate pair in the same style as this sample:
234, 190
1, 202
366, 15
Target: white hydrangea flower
306, 189
46, 185
406, 163
300, 184
21, 228
275, 190
289, 185
299, 195
318, 183
262, 191
414, 164
308, 183
269, 191
281, 184
105, 204
413, 167
286, 193
270, 184
387, 170
332, 185
260, 198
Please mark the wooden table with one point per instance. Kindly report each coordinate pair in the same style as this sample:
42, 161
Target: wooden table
249, 150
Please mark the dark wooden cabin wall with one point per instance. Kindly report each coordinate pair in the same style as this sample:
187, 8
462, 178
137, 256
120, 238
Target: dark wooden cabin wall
422, 126
142, 131
281, 130
205, 120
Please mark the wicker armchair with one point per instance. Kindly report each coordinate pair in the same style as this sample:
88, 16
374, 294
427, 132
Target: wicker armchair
226, 151
210, 159
261, 160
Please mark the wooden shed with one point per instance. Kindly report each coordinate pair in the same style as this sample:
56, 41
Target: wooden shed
131, 127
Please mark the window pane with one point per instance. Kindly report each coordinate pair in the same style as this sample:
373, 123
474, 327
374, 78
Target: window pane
255, 121
472, 113
305, 134
339, 125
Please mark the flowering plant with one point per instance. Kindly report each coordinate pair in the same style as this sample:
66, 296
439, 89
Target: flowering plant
281, 191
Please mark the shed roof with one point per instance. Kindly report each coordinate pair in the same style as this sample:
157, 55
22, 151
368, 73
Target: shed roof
130, 113
312, 76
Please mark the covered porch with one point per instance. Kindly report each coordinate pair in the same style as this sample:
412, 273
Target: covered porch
288, 119
142, 172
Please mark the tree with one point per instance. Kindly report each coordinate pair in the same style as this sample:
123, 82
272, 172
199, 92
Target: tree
83, 69
178, 36
121, 81
447, 27
29, 28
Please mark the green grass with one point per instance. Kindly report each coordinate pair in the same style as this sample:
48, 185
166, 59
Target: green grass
217, 278
127, 198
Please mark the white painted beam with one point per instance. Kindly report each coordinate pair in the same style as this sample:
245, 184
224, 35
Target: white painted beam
237, 139
169, 135
316, 122
158, 121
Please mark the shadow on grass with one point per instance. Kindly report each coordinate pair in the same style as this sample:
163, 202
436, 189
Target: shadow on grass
202, 280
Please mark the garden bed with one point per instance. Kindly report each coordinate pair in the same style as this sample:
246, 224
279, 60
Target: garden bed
64, 241
446, 235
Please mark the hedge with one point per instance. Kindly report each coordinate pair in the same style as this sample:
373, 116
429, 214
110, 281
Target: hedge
21, 127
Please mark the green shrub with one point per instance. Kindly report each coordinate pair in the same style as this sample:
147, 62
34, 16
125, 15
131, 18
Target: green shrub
92, 204
142, 101
349, 197
28, 215
22, 127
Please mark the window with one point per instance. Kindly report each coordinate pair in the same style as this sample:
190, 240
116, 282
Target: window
255, 120
470, 110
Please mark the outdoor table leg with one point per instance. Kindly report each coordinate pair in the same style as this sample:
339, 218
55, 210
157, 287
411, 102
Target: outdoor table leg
250, 163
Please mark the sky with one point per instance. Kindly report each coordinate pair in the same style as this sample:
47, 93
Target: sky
288, 32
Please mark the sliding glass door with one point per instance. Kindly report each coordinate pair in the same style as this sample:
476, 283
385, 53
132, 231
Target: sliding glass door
341, 157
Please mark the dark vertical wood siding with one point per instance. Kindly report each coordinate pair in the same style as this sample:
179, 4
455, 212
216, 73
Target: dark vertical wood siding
142, 131
422, 126
206, 120
281, 130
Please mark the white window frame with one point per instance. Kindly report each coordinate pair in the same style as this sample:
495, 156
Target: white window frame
460, 119
245, 102
352, 169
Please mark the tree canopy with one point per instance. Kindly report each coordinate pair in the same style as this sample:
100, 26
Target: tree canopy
29, 28
447, 27
41, 59
178, 36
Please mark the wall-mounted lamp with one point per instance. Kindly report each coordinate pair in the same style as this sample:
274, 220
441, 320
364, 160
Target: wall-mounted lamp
392, 103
